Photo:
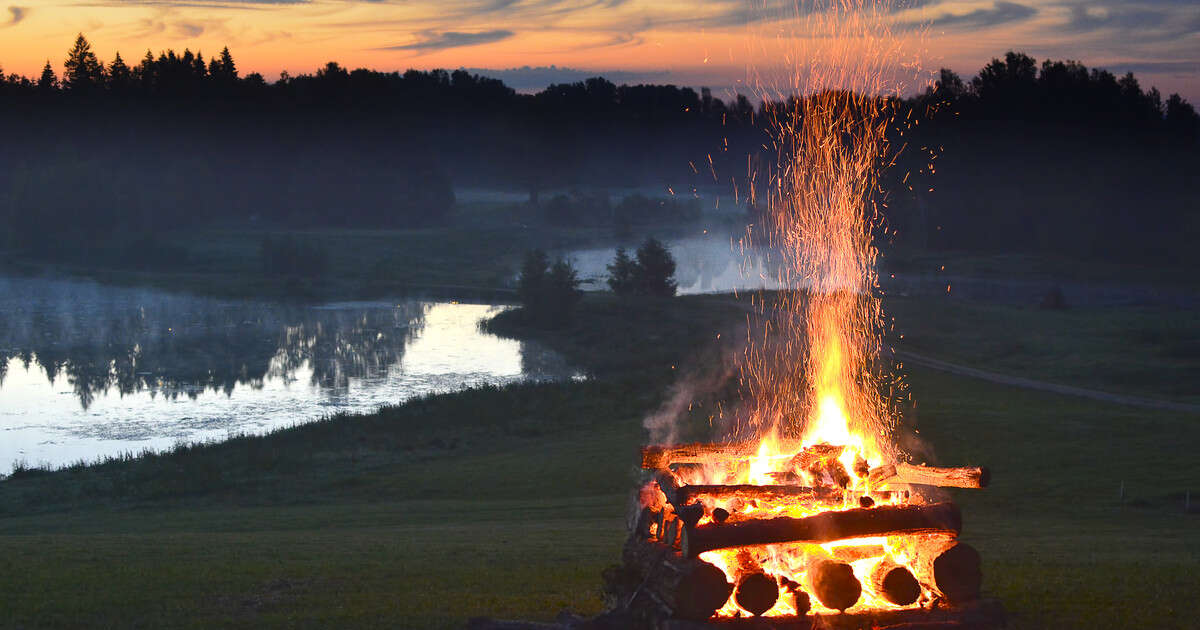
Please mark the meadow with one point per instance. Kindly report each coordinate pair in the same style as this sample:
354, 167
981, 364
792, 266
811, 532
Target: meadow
509, 502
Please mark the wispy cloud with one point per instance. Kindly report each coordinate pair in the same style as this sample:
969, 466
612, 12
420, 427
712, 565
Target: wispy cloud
18, 14
1001, 12
189, 29
430, 40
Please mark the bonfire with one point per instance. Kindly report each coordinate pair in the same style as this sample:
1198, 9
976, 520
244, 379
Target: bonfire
808, 510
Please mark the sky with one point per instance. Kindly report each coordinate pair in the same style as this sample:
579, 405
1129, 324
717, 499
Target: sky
531, 43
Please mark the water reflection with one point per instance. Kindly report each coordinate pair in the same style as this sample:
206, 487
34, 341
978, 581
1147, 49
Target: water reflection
87, 369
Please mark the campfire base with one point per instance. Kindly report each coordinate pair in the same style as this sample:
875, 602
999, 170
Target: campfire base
985, 614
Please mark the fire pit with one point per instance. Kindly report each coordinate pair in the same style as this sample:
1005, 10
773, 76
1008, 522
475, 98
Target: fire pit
808, 535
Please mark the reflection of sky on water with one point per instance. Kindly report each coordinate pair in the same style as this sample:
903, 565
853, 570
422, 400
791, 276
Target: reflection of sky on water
88, 370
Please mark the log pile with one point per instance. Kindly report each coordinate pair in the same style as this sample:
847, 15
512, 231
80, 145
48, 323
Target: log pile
922, 565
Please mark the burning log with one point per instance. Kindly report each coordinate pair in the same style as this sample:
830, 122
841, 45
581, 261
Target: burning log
825, 527
757, 593
688, 588
657, 457
787, 494
832, 583
854, 553
821, 462
894, 583
952, 569
963, 477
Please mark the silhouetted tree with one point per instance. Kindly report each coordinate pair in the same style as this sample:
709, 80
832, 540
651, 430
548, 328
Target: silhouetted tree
119, 78
621, 273
654, 273
548, 294
532, 280
48, 81
1182, 119
82, 71
563, 292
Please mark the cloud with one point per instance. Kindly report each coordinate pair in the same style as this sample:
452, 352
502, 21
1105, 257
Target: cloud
1143, 22
189, 29
18, 14
209, 4
1084, 18
430, 40
1001, 12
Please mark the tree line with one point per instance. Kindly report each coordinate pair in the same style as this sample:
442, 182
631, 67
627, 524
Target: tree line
1022, 156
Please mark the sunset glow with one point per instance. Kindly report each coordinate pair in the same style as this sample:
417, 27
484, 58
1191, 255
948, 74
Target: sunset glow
531, 44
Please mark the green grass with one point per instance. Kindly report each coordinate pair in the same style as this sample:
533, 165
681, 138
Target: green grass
1146, 351
509, 502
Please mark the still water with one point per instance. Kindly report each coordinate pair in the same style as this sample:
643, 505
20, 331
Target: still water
88, 370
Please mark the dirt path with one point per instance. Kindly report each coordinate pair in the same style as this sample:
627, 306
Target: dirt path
1017, 381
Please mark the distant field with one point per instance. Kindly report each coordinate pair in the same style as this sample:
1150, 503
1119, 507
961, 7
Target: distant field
509, 502
1146, 351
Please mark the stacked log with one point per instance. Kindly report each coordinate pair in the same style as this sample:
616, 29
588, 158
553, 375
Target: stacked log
686, 588
962, 477
894, 583
832, 583
757, 593
825, 527
668, 539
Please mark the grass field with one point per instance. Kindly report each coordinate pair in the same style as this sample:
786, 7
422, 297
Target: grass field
509, 502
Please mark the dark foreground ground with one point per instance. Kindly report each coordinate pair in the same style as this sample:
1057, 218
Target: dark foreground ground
509, 502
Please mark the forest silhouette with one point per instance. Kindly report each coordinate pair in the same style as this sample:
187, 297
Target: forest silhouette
1055, 157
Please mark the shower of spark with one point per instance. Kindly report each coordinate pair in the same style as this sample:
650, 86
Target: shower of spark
812, 367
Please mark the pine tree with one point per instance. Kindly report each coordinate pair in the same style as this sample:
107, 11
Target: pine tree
228, 69
144, 73
655, 270
82, 71
119, 75
532, 281
621, 273
198, 66
48, 82
563, 293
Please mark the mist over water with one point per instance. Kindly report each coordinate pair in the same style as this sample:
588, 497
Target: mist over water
703, 264
88, 370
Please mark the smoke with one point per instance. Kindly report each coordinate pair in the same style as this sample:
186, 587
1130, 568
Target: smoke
699, 388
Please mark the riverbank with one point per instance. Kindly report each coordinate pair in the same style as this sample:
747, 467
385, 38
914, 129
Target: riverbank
510, 501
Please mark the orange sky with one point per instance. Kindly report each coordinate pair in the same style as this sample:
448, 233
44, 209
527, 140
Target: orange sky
705, 42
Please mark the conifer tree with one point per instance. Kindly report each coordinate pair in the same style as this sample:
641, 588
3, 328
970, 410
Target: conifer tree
119, 75
82, 71
48, 82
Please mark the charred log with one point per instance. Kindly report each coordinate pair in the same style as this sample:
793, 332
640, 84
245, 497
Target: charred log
656, 457
825, 527
894, 583
757, 593
686, 588
832, 583
963, 477
688, 494
952, 570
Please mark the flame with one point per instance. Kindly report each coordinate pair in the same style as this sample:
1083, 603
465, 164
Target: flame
811, 368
